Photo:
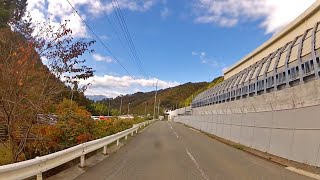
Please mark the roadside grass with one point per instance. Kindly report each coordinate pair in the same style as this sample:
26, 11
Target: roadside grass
5, 155
239, 146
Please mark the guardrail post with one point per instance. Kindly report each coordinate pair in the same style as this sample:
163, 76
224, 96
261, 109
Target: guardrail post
82, 161
136, 130
118, 142
105, 150
132, 134
126, 137
39, 176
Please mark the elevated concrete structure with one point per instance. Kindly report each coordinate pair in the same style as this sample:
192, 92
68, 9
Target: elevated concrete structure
305, 21
270, 100
288, 59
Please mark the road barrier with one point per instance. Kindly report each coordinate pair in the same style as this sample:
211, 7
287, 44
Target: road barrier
39, 165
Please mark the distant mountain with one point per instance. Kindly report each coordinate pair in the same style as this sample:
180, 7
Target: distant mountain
169, 98
96, 97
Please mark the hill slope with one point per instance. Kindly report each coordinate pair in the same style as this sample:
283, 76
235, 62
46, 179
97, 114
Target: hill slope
188, 100
170, 97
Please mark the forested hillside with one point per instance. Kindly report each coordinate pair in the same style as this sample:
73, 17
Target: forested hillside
215, 82
169, 98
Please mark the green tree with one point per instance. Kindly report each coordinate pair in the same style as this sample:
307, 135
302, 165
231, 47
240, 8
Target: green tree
115, 112
99, 109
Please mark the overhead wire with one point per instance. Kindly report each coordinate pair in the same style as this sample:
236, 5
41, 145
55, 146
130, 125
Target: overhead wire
103, 44
131, 54
127, 35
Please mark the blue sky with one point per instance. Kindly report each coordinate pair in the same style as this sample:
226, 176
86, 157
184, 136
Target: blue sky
177, 41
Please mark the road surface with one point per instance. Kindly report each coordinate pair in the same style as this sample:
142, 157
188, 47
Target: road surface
171, 151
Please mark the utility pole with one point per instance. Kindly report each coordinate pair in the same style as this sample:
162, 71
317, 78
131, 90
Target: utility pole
128, 108
159, 108
145, 109
109, 108
120, 105
155, 102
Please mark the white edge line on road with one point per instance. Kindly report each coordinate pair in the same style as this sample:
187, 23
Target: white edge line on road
197, 165
194, 130
302, 172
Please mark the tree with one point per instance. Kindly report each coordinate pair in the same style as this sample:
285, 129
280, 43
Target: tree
99, 109
27, 87
115, 112
11, 11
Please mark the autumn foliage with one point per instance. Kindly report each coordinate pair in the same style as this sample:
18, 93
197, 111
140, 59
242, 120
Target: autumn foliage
74, 127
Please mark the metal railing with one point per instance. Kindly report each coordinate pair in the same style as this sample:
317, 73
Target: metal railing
39, 165
261, 77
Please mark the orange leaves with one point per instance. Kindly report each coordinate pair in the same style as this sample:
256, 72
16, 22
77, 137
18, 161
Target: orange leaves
85, 137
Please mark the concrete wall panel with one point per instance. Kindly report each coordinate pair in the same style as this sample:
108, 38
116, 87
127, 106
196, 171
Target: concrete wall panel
305, 146
246, 135
235, 133
261, 139
307, 118
281, 140
283, 119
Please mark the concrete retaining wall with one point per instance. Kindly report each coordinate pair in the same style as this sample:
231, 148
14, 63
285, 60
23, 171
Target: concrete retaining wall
284, 123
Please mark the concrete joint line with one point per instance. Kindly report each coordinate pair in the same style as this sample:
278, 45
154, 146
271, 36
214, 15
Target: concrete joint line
197, 165
305, 173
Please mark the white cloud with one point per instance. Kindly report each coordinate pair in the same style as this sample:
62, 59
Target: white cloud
164, 13
112, 86
59, 10
101, 58
275, 13
200, 54
207, 60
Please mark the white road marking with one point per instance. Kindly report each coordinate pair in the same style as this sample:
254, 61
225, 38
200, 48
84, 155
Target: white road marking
305, 173
173, 131
194, 130
176, 134
197, 165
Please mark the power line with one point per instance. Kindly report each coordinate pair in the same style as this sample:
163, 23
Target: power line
126, 32
115, 31
127, 35
104, 45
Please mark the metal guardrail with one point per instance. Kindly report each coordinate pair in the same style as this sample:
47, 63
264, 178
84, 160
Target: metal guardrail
35, 167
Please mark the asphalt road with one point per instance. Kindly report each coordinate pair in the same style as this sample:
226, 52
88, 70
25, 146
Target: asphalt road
171, 151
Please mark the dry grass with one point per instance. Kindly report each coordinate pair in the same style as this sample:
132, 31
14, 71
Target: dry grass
5, 155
